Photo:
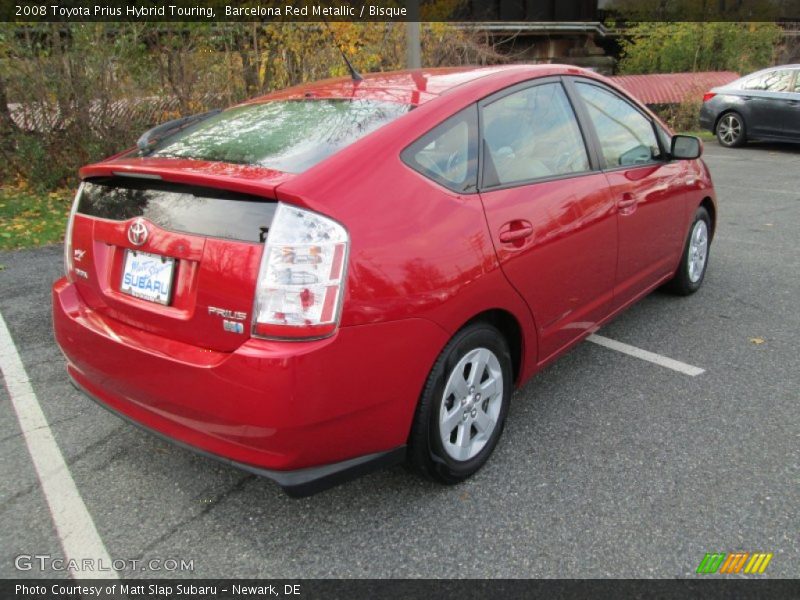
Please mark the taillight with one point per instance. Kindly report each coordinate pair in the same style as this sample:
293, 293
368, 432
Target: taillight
301, 278
708, 96
68, 258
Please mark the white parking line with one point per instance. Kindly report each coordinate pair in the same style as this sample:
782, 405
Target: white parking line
760, 190
74, 526
652, 357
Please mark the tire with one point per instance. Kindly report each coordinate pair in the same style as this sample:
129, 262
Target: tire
452, 388
731, 131
694, 260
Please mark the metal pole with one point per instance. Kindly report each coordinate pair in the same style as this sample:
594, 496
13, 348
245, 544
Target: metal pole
413, 49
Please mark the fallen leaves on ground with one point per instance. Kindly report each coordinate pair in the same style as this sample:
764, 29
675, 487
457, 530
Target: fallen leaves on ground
29, 218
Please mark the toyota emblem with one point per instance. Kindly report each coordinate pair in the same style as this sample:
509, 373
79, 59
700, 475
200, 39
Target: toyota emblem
137, 232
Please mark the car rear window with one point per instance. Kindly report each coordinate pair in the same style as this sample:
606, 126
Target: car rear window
772, 81
289, 136
188, 209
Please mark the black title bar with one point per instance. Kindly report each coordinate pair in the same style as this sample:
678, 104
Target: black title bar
505, 11
370, 589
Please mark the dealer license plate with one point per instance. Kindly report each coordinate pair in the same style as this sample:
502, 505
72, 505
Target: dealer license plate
148, 276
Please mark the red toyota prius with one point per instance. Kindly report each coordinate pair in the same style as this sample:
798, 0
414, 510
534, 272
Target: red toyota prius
353, 273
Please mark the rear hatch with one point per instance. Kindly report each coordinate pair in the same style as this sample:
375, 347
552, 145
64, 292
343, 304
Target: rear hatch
179, 259
169, 238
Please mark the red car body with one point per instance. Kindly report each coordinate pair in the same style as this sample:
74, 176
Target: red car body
423, 261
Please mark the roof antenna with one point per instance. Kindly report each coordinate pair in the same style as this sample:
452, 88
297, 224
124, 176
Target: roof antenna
355, 75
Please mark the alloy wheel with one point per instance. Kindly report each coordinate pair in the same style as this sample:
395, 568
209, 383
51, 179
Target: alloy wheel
730, 129
698, 251
471, 403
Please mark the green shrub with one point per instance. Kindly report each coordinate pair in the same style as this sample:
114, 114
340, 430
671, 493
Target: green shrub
680, 117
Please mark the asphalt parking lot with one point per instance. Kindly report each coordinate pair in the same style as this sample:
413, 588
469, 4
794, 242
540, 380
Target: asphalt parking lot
610, 466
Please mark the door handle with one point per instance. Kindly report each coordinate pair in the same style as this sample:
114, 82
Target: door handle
515, 230
627, 201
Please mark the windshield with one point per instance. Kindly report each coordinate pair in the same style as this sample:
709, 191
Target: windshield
289, 136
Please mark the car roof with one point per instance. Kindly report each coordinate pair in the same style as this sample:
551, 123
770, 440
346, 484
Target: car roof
414, 86
768, 69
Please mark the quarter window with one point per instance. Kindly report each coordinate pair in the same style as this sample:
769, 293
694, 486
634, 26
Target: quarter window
532, 134
626, 136
448, 153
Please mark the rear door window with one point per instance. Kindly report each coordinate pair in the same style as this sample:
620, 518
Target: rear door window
772, 81
532, 134
779, 81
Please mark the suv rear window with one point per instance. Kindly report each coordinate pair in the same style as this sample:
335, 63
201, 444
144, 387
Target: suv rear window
289, 136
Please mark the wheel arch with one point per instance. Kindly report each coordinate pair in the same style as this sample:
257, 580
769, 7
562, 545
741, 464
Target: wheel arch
711, 209
510, 327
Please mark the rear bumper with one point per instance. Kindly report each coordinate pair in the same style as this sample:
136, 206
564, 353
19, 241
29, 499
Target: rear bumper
707, 118
305, 414
299, 483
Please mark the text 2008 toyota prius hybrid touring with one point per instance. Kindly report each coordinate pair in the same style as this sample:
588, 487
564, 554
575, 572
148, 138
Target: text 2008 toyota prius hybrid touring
356, 272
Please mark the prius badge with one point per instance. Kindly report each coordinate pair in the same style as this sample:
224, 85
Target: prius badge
138, 232
231, 318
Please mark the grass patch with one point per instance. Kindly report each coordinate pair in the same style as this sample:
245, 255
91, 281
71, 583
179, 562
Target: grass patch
29, 219
703, 134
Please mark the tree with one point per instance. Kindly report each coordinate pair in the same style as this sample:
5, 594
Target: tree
6, 123
87, 90
690, 46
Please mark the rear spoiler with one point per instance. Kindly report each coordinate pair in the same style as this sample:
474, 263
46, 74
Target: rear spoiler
152, 136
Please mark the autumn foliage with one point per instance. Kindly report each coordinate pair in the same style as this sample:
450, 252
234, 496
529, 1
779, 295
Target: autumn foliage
77, 92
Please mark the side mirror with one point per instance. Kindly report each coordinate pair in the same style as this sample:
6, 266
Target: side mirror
685, 147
